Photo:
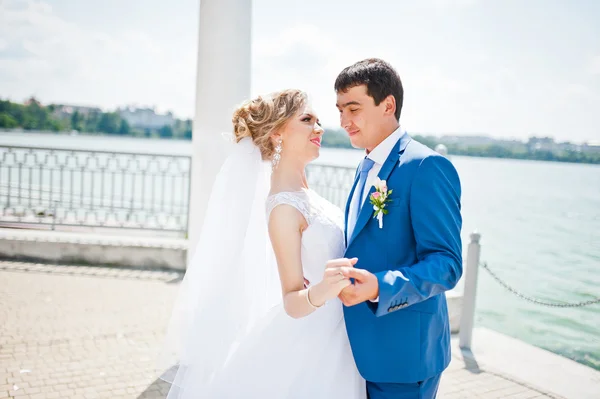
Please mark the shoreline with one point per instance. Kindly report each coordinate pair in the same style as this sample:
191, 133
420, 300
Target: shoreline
182, 141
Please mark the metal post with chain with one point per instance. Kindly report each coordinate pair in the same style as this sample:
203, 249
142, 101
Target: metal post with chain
534, 300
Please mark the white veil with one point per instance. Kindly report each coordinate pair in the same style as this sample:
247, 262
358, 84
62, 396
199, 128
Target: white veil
231, 280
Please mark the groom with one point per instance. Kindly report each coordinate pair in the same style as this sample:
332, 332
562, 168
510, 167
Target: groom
396, 313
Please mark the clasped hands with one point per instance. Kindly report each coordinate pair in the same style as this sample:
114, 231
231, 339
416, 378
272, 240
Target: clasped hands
338, 273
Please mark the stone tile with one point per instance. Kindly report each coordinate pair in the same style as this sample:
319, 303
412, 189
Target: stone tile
90, 332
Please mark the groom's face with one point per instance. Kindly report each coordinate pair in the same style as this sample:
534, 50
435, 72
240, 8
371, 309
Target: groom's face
360, 117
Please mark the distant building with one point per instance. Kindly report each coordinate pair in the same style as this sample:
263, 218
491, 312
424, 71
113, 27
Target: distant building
467, 140
65, 110
32, 100
542, 144
567, 146
146, 117
591, 147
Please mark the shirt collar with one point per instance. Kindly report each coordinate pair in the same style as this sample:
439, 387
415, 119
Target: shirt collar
382, 151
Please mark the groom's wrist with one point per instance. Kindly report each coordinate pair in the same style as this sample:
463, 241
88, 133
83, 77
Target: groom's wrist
375, 296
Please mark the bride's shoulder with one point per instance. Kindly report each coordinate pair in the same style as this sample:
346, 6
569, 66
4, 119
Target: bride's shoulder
288, 197
296, 199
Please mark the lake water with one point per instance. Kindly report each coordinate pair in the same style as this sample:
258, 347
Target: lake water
540, 226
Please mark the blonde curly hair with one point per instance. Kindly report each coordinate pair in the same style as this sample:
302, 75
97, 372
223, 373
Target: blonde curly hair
261, 117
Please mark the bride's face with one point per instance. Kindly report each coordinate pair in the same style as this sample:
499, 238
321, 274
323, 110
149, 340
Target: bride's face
302, 136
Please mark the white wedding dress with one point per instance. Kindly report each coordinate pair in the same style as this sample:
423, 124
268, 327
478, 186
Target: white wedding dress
231, 334
310, 357
299, 358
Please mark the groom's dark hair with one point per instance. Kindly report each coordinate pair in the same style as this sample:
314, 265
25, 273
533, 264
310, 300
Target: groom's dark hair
380, 78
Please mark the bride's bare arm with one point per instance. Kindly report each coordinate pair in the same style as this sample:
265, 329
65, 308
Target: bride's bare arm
286, 225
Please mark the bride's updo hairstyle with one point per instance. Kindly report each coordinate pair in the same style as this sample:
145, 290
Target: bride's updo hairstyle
261, 117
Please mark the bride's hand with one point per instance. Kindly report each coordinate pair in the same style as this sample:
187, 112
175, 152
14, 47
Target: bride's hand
333, 281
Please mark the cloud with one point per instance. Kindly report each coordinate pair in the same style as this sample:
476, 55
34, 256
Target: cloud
594, 65
56, 60
295, 52
446, 4
433, 78
298, 57
306, 57
581, 92
448, 87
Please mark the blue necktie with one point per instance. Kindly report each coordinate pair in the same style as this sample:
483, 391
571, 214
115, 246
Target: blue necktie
365, 167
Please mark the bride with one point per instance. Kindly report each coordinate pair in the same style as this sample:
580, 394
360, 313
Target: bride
244, 324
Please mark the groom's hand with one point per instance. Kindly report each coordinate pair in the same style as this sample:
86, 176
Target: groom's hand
365, 287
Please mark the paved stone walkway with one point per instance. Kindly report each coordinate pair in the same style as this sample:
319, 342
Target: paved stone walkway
91, 332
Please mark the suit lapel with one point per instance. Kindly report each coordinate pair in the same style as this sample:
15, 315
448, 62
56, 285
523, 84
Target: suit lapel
366, 211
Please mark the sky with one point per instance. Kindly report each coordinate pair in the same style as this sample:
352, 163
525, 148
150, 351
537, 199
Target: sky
509, 69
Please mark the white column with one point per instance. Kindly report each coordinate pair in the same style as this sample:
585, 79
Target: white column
223, 81
467, 318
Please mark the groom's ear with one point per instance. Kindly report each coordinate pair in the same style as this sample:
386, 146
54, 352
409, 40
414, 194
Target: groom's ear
389, 104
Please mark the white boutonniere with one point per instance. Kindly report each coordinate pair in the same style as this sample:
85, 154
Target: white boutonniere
379, 199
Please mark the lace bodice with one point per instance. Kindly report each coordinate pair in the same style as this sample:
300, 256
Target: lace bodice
323, 239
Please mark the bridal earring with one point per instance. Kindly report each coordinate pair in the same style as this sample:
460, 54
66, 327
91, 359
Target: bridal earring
277, 155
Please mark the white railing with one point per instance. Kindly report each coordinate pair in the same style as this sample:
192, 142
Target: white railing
68, 190
467, 318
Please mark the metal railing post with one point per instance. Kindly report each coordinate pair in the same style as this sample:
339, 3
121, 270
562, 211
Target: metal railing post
467, 318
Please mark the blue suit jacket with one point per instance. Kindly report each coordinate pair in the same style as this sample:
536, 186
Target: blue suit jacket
416, 256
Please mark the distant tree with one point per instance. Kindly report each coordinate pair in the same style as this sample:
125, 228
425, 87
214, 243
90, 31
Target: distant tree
124, 128
336, 138
187, 129
110, 122
430, 142
91, 122
32, 115
36, 116
497, 151
77, 121
5, 105
7, 121
166, 131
